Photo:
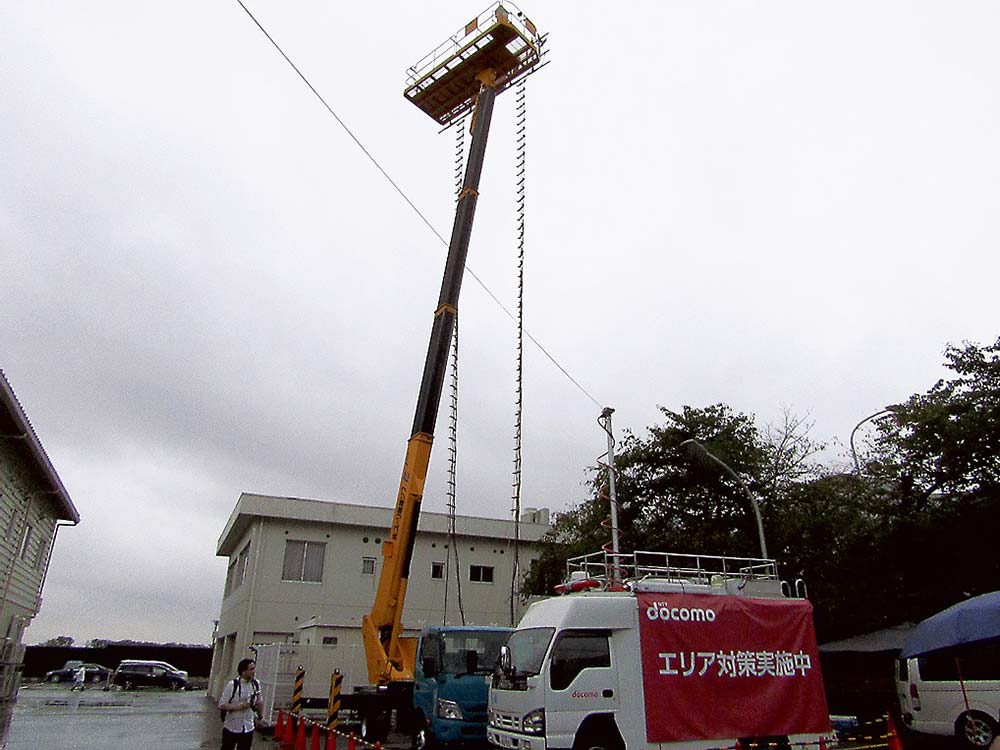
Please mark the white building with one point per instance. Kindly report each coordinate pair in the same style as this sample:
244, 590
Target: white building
306, 571
33, 503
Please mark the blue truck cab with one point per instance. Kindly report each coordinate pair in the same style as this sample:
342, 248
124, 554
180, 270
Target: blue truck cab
450, 685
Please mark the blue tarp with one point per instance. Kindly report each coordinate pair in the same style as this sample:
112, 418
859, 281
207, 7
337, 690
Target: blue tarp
971, 621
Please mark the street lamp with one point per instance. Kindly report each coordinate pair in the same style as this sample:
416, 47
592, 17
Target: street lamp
746, 490
876, 415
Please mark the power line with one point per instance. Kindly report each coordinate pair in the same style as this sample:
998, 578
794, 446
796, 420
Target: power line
410, 203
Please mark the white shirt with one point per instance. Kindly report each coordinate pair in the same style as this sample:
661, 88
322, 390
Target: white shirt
238, 721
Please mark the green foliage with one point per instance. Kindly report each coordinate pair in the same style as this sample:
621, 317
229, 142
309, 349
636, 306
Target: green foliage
946, 441
913, 532
675, 499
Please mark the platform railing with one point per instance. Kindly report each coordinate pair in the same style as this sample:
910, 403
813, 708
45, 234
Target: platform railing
672, 566
466, 34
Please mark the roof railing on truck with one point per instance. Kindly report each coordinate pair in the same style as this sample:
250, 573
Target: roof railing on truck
676, 566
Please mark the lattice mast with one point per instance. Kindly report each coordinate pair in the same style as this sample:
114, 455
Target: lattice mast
465, 73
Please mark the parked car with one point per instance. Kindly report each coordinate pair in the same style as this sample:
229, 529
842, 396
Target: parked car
95, 672
952, 692
134, 673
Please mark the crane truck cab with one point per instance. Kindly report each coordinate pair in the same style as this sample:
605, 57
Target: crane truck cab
686, 652
450, 684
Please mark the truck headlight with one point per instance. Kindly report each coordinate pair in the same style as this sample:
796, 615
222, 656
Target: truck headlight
534, 722
448, 710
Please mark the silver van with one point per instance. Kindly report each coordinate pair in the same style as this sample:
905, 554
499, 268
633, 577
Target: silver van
952, 692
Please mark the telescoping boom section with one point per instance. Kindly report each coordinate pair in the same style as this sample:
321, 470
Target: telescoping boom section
465, 73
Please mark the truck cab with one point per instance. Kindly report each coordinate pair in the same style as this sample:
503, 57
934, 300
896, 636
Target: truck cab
683, 652
451, 684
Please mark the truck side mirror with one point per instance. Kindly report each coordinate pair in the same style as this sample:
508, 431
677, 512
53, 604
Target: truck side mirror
430, 667
506, 660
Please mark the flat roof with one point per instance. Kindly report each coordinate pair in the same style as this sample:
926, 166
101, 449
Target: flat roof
14, 425
251, 506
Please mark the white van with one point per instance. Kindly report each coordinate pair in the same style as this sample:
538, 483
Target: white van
933, 700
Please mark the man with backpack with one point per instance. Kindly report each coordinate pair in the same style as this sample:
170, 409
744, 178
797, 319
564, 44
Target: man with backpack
239, 703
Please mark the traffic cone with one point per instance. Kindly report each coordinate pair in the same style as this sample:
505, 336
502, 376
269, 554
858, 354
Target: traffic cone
822, 742
351, 744
314, 739
895, 743
279, 726
331, 739
288, 738
300, 735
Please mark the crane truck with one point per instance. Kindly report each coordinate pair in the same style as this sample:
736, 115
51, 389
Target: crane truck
430, 682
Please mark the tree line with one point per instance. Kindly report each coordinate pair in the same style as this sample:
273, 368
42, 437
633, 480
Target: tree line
904, 525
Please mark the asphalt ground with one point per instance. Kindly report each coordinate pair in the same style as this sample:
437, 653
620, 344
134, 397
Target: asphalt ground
52, 717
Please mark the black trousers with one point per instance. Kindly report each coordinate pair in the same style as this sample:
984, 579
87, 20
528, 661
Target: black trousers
236, 740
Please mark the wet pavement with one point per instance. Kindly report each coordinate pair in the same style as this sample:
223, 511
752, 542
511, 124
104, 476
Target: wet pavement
52, 717
55, 717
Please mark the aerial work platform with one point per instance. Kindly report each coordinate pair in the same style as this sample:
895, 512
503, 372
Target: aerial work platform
445, 83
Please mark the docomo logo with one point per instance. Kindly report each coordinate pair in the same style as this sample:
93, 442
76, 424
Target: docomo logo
663, 611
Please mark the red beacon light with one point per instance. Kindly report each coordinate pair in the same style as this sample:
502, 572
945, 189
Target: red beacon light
578, 581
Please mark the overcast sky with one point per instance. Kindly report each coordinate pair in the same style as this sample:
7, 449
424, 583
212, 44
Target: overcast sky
207, 288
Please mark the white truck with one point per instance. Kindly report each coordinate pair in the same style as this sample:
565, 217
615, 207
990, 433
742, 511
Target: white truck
658, 650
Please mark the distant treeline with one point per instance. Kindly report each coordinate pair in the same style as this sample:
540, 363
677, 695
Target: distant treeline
195, 660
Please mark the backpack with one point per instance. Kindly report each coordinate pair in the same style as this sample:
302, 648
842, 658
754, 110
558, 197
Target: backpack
236, 686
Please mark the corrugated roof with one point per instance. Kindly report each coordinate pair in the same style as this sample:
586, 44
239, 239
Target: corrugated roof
14, 423
887, 639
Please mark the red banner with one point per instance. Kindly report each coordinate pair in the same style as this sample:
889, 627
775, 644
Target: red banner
729, 666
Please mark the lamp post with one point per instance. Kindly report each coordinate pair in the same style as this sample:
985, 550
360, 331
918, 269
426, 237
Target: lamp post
743, 485
876, 415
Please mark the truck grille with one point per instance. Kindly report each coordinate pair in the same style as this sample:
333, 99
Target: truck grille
502, 720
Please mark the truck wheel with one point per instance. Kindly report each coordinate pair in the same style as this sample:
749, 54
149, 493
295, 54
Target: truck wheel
977, 730
54, 678
598, 733
96, 678
374, 726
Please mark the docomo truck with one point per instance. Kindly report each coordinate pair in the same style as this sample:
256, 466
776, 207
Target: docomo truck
688, 652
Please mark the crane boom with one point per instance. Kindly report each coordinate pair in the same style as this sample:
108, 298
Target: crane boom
390, 657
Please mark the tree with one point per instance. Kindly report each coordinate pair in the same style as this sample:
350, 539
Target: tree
674, 500
945, 443
914, 531
59, 640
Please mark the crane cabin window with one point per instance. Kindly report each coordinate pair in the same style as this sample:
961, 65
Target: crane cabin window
437, 570
303, 561
481, 573
367, 566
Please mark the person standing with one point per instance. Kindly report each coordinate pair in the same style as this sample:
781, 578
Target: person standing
240, 702
79, 678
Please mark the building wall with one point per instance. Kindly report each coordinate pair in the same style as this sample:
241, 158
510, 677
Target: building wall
27, 532
259, 607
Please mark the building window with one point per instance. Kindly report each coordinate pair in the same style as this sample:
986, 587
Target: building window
481, 573
42, 550
26, 535
229, 577
437, 570
241, 566
12, 523
303, 561
367, 566
329, 640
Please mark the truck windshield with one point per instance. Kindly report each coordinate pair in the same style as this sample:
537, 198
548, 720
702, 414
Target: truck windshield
457, 644
528, 647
